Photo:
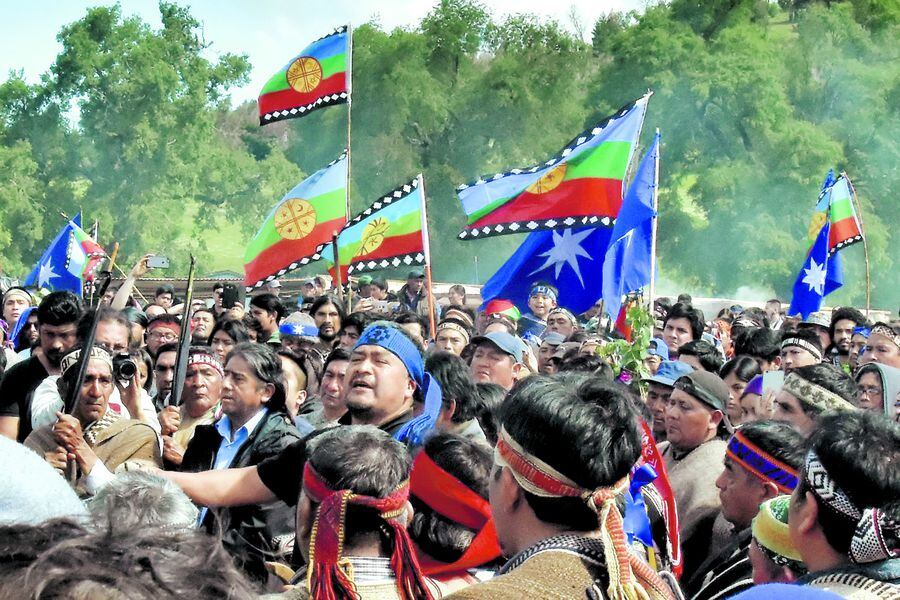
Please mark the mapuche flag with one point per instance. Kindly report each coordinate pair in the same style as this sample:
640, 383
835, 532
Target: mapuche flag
582, 185
835, 205
300, 224
387, 234
71, 259
317, 77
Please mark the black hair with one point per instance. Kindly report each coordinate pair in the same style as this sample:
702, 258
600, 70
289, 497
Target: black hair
269, 303
588, 364
336, 354
107, 315
459, 289
830, 377
366, 461
408, 317
743, 367
328, 299
234, 328
170, 347
164, 318
693, 316
778, 439
807, 335
380, 283
218, 286
309, 363
860, 450
584, 428
59, 308
469, 462
757, 315
684, 299
710, 358
166, 288
266, 367
491, 396
136, 316
762, 344
359, 320
141, 355
845, 312
452, 374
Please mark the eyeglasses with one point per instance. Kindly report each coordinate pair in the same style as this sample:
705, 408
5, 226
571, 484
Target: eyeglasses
869, 391
167, 336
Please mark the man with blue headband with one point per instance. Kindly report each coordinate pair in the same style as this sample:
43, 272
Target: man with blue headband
385, 378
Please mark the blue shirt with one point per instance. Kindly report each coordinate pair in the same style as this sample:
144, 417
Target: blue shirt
229, 446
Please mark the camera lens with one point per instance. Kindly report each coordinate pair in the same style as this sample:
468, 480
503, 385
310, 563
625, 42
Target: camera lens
123, 367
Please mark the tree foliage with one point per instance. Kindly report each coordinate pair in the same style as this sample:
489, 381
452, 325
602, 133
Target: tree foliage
755, 103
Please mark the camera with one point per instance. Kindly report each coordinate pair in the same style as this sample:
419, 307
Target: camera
124, 368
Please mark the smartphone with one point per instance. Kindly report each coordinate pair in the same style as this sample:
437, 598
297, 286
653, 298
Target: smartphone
230, 296
158, 262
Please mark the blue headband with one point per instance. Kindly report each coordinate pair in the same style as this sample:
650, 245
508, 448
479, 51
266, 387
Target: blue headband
397, 343
542, 289
863, 331
299, 329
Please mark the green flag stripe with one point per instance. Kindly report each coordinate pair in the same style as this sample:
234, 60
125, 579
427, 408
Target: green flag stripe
487, 209
328, 206
330, 66
842, 209
407, 224
609, 160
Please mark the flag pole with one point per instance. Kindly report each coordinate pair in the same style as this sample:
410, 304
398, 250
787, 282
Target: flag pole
865, 243
426, 247
184, 342
349, 113
652, 286
337, 266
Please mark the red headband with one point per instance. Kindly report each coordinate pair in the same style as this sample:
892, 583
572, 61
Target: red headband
328, 571
450, 498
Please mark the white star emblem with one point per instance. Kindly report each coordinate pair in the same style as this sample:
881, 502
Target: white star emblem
46, 274
815, 277
566, 250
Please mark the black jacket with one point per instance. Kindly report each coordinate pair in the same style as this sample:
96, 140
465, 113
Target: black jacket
251, 533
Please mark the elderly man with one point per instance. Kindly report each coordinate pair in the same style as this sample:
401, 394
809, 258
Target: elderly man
810, 391
199, 403
101, 441
498, 358
883, 345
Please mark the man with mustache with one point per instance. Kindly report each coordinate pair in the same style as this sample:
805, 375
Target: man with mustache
58, 316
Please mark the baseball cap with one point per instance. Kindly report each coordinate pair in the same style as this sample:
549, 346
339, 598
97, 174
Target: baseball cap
819, 318
706, 387
553, 338
659, 348
416, 274
506, 342
364, 280
669, 371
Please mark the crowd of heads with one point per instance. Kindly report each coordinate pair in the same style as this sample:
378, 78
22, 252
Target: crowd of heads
445, 436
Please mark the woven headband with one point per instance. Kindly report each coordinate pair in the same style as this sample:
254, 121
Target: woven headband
813, 394
454, 313
887, 332
208, 359
329, 572
761, 464
542, 289
772, 534
876, 537
71, 359
802, 344
628, 577
449, 497
565, 312
453, 327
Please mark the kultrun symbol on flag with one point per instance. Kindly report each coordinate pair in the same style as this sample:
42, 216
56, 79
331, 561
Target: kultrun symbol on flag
295, 219
550, 180
373, 236
305, 74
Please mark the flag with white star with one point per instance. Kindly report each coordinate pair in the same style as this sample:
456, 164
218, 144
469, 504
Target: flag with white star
820, 275
70, 259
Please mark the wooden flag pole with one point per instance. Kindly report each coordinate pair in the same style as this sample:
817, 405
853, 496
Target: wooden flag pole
652, 286
426, 247
862, 231
349, 114
337, 266
184, 343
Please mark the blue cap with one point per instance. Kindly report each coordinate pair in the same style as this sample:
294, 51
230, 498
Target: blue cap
553, 338
669, 372
299, 329
659, 348
511, 344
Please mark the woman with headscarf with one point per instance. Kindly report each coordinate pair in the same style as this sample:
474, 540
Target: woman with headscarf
879, 389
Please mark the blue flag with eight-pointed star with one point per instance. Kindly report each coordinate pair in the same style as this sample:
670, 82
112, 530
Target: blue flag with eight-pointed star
570, 259
820, 275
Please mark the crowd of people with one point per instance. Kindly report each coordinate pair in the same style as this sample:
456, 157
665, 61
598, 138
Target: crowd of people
416, 448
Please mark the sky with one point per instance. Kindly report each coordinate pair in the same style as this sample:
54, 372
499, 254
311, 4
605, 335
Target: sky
269, 32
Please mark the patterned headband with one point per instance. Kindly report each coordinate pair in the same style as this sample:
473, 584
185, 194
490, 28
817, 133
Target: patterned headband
802, 344
772, 535
886, 331
209, 359
565, 312
542, 289
761, 464
71, 359
810, 393
454, 313
876, 537
329, 572
627, 577
454, 327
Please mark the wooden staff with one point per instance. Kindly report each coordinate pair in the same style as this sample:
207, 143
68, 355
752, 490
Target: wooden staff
862, 232
184, 343
426, 250
652, 286
337, 266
